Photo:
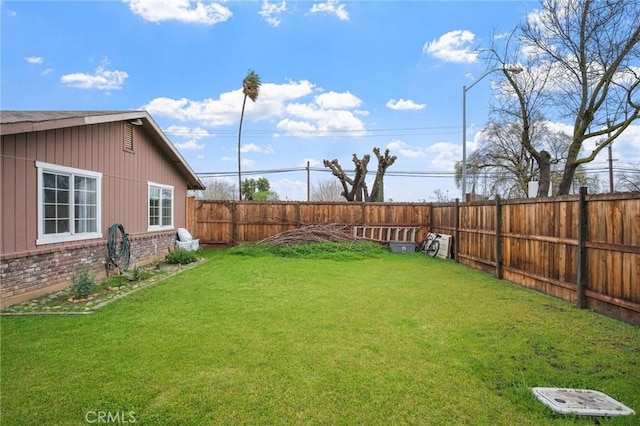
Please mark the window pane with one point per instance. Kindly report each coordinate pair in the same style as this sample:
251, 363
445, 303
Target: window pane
49, 211
92, 185
63, 226
63, 212
62, 182
49, 180
63, 196
91, 198
49, 226
79, 183
49, 196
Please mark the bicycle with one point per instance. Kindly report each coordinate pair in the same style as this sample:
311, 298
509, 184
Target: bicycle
430, 245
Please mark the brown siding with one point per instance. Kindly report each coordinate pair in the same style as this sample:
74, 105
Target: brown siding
27, 269
97, 148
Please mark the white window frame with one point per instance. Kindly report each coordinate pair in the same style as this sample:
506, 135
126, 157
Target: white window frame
71, 235
161, 187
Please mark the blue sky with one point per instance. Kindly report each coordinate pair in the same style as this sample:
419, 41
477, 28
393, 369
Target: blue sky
338, 77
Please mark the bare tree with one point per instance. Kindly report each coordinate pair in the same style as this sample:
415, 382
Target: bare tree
589, 48
440, 196
327, 190
503, 165
358, 190
629, 179
218, 190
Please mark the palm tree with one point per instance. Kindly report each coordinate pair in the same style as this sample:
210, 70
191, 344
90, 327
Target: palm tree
251, 89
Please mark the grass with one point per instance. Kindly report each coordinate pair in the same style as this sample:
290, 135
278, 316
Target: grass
255, 337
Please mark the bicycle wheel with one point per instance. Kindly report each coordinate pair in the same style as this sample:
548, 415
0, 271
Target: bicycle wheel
424, 245
432, 249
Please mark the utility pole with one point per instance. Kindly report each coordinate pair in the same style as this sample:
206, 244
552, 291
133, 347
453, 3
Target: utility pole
610, 170
308, 183
610, 160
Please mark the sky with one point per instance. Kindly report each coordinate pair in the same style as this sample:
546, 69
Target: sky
338, 78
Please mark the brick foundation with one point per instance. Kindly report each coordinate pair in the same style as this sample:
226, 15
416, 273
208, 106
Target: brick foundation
28, 275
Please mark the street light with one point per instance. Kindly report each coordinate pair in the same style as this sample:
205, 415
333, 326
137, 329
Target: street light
465, 89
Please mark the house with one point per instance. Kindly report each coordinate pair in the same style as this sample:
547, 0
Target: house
67, 177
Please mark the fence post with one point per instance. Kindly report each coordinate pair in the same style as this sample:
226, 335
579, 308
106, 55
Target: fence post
456, 232
498, 238
364, 214
430, 218
233, 222
581, 300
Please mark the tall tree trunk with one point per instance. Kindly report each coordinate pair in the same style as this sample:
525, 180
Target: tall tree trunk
570, 167
544, 166
239, 159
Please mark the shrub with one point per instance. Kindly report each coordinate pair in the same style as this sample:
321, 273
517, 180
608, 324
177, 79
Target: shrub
83, 283
345, 251
182, 257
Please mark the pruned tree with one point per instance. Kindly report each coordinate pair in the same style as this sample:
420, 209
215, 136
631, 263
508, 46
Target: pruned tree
355, 189
327, 190
590, 49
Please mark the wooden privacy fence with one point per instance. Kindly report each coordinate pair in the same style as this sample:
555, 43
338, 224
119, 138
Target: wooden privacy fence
582, 249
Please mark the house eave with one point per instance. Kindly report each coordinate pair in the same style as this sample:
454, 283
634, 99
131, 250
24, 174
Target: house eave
14, 122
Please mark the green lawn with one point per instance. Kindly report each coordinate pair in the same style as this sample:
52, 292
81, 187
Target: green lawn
374, 340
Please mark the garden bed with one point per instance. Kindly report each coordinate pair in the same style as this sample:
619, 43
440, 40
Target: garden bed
106, 291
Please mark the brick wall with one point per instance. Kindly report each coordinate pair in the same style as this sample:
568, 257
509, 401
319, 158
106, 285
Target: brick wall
23, 277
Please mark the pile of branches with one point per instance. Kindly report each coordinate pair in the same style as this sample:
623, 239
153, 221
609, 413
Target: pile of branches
325, 233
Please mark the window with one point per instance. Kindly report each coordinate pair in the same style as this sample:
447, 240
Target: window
68, 204
160, 207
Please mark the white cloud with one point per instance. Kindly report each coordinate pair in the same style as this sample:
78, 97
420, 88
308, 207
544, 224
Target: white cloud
401, 147
401, 104
225, 110
334, 100
188, 132
271, 12
192, 144
196, 12
102, 79
296, 128
47, 71
331, 7
34, 59
444, 155
246, 162
453, 47
327, 113
321, 122
251, 147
